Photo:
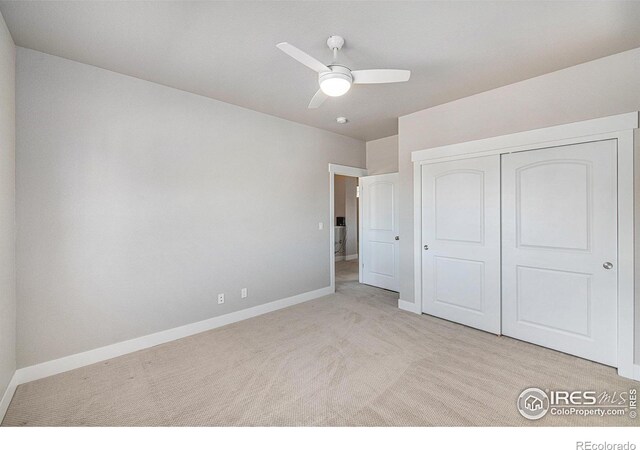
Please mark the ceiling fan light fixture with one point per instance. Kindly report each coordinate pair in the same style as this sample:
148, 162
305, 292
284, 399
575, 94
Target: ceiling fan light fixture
335, 79
335, 84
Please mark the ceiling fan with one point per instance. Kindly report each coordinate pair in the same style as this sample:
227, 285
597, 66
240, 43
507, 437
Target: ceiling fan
335, 79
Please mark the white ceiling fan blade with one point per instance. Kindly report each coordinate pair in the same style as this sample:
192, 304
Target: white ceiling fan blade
317, 99
380, 76
302, 57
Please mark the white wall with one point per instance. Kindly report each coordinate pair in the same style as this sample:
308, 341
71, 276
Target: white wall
339, 186
598, 88
382, 155
138, 203
339, 209
345, 205
351, 215
7, 208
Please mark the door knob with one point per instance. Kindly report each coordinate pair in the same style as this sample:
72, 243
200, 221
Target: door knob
426, 247
397, 238
607, 265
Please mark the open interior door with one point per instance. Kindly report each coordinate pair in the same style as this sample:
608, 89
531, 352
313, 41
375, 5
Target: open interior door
379, 242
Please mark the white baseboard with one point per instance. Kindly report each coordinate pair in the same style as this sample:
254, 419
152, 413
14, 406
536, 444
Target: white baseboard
71, 362
340, 258
351, 257
636, 372
7, 396
409, 306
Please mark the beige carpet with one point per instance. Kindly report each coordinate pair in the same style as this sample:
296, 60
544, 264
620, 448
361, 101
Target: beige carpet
351, 358
346, 271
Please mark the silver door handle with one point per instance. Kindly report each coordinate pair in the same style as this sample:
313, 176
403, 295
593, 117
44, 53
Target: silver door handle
426, 247
607, 265
397, 238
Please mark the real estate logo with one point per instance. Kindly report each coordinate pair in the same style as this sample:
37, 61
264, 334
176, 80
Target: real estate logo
533, 403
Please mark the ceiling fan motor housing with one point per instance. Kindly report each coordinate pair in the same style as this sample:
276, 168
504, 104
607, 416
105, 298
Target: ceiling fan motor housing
337, 82
335, 42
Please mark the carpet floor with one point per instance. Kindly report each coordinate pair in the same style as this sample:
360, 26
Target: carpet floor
348, 359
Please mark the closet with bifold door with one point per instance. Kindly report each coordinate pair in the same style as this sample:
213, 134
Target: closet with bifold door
522, 236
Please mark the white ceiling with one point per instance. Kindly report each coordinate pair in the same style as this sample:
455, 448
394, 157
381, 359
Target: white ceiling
226, 50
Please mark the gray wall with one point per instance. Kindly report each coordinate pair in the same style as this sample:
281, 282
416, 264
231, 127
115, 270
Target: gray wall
138, 203
598, 88
382, 155
7, 208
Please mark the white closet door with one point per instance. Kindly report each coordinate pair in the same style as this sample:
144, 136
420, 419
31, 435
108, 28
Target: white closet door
461, 241
559, 225
380, 231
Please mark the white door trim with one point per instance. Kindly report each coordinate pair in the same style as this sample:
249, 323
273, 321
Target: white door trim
620, 127
507, 142
347, 171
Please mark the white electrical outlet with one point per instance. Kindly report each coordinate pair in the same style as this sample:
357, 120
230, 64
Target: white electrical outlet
320, 225
243, 293
220, 299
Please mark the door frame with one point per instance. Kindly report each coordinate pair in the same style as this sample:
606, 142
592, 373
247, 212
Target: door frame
619, 127
347, 171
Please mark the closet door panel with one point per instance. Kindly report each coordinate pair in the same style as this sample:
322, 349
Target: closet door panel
461, 241
559, 248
